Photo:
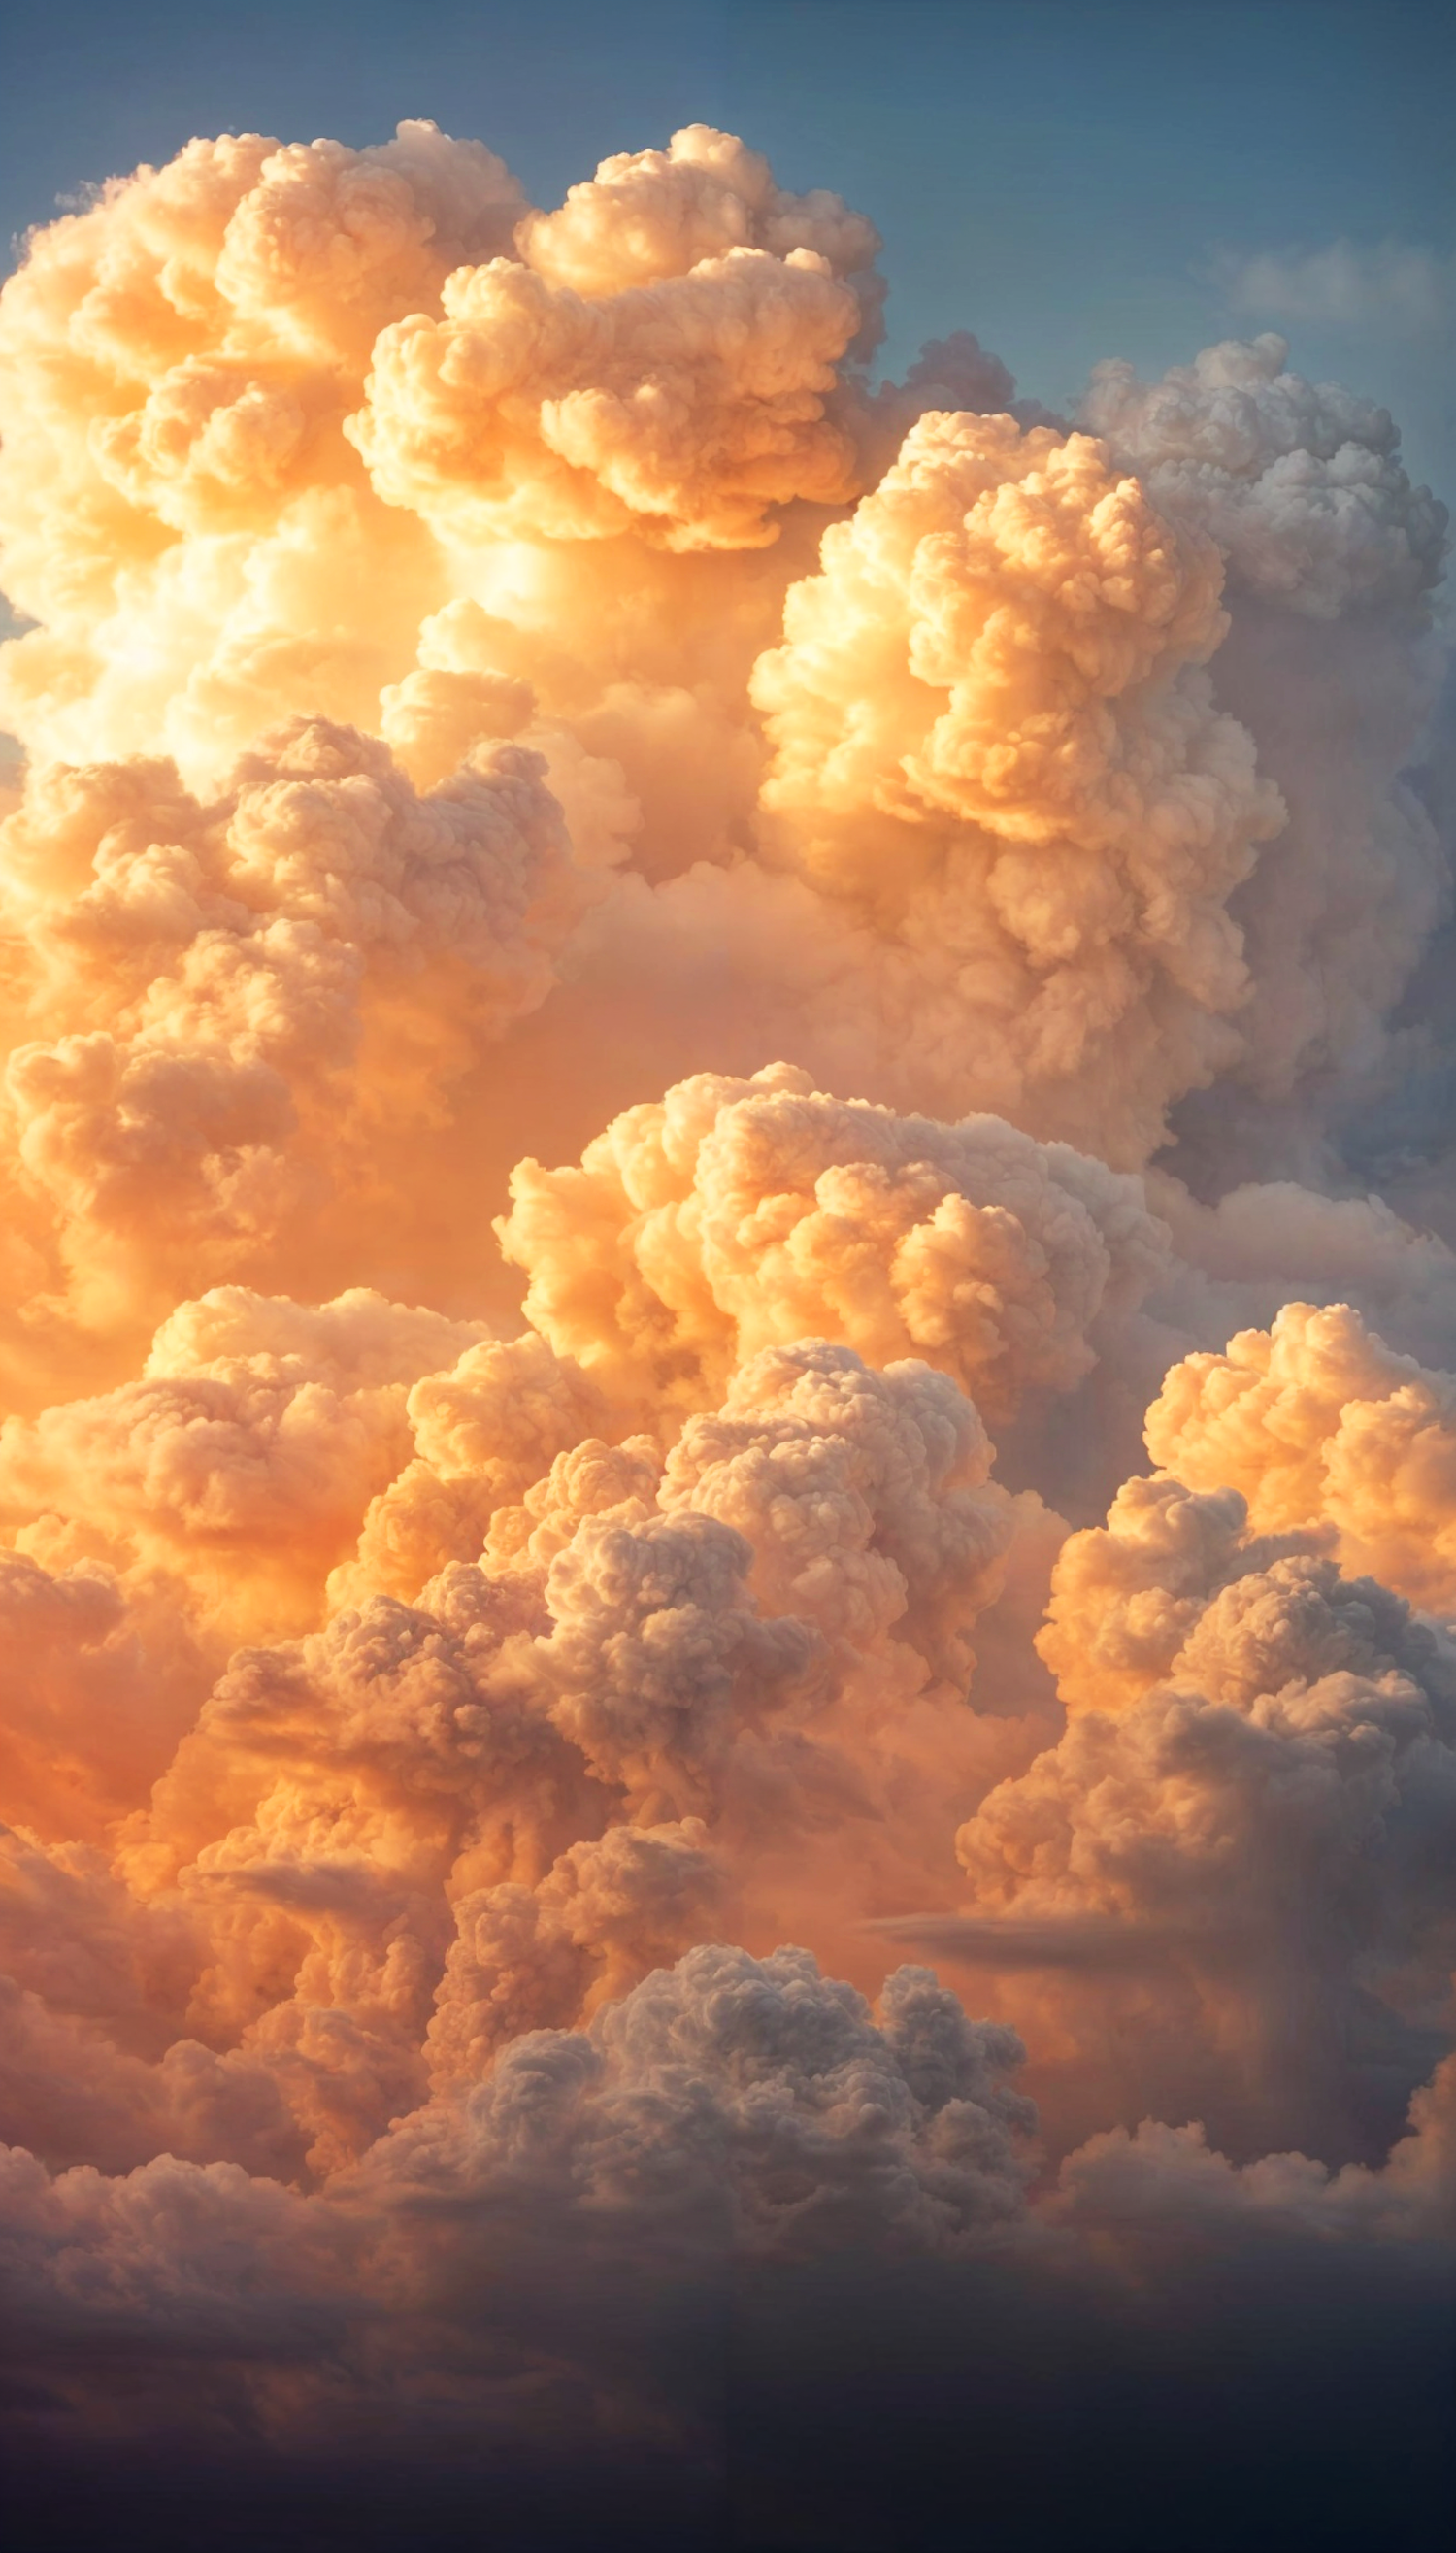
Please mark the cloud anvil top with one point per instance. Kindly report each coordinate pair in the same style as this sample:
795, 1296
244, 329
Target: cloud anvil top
725, 1249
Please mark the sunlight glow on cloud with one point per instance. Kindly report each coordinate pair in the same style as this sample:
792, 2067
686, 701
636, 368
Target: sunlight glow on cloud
615, 936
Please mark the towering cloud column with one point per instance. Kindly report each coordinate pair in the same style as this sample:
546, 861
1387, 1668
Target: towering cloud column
649, 990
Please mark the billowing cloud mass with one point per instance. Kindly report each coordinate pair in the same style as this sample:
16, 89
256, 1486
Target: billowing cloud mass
1330, 557
1318, 1424
990, 724
736, 1213
664, 1006
1259, 1770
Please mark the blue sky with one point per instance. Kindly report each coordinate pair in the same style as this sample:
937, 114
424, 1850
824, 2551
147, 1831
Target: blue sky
1068, 177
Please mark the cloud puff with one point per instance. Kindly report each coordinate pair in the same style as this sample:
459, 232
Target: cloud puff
176, 364
1331, 559
688, 406
1160, 2180
754, 2101
485, 1430
242, 1459
664, 355
1300, 485
648, 215
657, 1654
864, 1497
1260, 1767
991, 734
605, 1914
1149, 1805
1317, 1422
205, 974
154, 2258
739, 1212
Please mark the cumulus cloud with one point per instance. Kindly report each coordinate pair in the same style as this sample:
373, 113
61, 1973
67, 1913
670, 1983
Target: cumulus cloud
690, 404
1258, 1761
206, 332
1317, 1422
153, 2256
1302, 486
864, 1497
382, 1850
753, 2100
739, 1212
206, 973
1169, 2180
484, 1431
514, 1507
178, 363
240, 1459
987, 709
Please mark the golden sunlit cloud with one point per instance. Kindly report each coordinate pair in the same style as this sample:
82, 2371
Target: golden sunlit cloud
605, 933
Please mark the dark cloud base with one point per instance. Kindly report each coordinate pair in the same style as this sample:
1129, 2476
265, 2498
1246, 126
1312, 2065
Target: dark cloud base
1295, 2400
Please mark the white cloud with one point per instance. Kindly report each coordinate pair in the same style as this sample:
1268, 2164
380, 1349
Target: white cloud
1397, 284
